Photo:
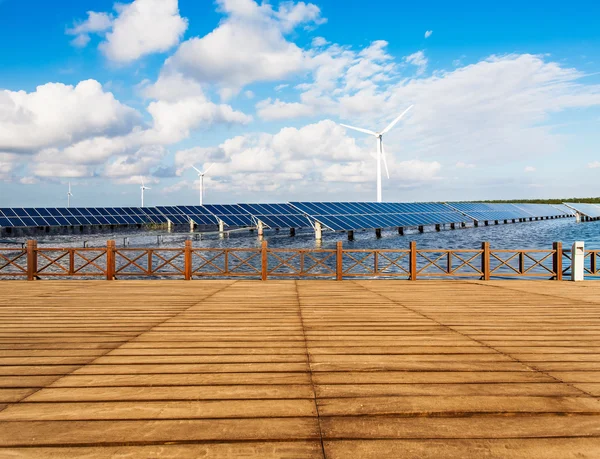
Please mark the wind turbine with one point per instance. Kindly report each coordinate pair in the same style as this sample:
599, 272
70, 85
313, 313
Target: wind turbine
201, 177
380, 150
69, 194
143, 188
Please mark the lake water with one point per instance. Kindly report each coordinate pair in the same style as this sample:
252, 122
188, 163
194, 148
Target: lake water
528, 235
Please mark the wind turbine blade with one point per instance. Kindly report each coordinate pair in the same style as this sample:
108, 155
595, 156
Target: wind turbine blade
197, 170
142, 179
384, 161
366, 131
393, 123
209, 167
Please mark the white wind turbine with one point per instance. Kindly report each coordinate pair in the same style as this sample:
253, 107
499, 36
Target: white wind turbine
69, 195
380, 150
201, 177
143, 188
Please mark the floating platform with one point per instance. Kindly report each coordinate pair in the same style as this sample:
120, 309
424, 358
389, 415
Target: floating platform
302, 369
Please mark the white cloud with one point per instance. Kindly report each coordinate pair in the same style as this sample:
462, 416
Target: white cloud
139, 163
428, 33
8, 164
59, 115
463, 165
68, 139
269, 109
248, 46
143, 27
294, 159
493, 111
95, 23
530, 169
419, 60
317, 42
593, 165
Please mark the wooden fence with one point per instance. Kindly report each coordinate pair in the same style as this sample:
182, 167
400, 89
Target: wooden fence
33, 262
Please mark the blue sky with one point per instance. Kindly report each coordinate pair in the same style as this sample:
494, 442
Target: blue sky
506, 100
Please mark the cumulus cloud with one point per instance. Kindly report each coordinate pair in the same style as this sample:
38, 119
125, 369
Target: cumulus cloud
299, 159
594, 165
95, 23
57, 115
529, 169
428, 33
248, 46
419, 60
144, 27
463, 165
68, 139
140, 28
495, 110
139, 163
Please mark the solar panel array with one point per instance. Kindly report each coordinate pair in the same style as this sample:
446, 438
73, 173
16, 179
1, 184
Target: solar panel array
340, 216
277, 215
181, 215
589, 210
230, 214
77, 216
333, 215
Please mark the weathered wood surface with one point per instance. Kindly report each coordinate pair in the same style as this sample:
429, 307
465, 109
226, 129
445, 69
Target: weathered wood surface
298, 369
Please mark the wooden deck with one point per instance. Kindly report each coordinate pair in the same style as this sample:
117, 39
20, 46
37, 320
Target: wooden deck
300, 369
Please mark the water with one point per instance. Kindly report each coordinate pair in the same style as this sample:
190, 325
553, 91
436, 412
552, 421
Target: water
528, 235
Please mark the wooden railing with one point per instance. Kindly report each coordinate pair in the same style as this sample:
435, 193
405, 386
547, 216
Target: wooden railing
264, 263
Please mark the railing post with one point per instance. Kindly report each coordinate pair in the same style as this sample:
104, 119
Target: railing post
187, 260
110, 260
413, 261
31, 260
264, 261
339, 266
71, 261
557, 261
485, 261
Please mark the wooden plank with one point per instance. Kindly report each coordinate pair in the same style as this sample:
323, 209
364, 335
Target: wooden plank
228, 450
548, 448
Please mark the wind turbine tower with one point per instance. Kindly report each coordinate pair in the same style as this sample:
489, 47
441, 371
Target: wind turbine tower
143, 188
69, 194
201, 177
380, 149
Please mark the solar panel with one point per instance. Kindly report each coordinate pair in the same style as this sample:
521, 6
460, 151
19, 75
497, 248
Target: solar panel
589, 210
540, 210
489, 212
358, 215
77, 216
182, 215
230, 214
565, 209
277, 215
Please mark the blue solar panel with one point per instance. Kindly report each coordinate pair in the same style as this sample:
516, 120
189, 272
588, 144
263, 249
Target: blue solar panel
565, 209
230, 214
277, 215
182, 215
589, 210
489, 212
358, 215
541, 210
